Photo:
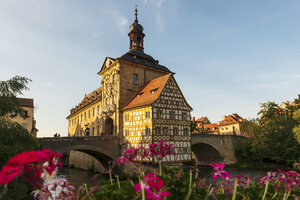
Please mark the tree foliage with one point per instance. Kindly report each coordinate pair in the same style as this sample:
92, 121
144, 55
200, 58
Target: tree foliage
273, 138
8, 91
14, 139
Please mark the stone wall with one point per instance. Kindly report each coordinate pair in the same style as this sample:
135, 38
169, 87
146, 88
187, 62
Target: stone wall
84, 161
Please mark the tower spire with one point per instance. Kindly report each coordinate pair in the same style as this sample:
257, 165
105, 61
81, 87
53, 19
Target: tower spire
136, 18
136, 34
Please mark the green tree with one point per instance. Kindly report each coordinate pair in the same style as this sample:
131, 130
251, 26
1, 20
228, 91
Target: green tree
277, 124
296, 130
8, 91
14, 138
252, 149
272, 134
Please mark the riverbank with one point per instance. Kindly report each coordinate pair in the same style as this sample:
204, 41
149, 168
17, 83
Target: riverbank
271, 166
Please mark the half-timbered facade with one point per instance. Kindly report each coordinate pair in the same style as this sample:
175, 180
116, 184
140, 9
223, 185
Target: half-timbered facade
159, 111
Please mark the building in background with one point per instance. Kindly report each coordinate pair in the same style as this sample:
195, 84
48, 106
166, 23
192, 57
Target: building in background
230, 125
139, 100
84, 119
26, 119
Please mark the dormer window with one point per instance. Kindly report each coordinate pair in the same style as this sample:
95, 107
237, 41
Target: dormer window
140, 94
153, 91
135, 79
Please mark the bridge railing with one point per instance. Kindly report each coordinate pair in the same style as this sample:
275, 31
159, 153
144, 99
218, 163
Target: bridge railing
84, 138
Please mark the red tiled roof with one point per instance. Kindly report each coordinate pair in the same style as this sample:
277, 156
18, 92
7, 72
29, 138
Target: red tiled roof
25, 102
201, 119
231, 119
145, 96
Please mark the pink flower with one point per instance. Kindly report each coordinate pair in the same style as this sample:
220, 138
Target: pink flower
178, 176
161, 149
144, 153
129, 155
152, 185
219, 171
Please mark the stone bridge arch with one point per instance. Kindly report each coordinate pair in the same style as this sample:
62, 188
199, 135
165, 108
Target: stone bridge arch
210, 148
102, 148
206, 153
102, 155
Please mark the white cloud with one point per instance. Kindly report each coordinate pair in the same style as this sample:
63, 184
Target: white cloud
160, 21
120, 20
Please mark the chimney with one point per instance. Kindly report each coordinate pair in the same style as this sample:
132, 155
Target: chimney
194, 120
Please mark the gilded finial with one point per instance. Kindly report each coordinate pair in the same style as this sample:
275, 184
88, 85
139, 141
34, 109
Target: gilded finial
136, 20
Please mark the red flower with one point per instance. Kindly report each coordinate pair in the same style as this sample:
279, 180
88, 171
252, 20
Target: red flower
30, 166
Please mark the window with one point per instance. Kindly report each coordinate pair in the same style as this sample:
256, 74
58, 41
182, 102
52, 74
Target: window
148, 131
135, 79
175, 131
171, 90
106, 101
157, 131
172, 115
159, 114
78, 119
98, 109
25, 125
152, 91
185, 150
93, 112
85, 116
114, 79
93, 130
25, 113
126, 117
81, 117
222, 128
166, 101
114, 99
89, 113
126, 133
165, 131
186, 132
147, 114
98, 130
184, 116
226, 128
177, 103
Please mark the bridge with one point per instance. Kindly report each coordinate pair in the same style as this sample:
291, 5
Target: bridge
103, 148
207, 148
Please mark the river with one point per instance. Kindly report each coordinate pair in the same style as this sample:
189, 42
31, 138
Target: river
78, 177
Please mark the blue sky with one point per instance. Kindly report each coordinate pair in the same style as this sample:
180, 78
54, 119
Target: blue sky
229, 56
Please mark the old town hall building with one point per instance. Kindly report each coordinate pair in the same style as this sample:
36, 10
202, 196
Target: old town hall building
139, 100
